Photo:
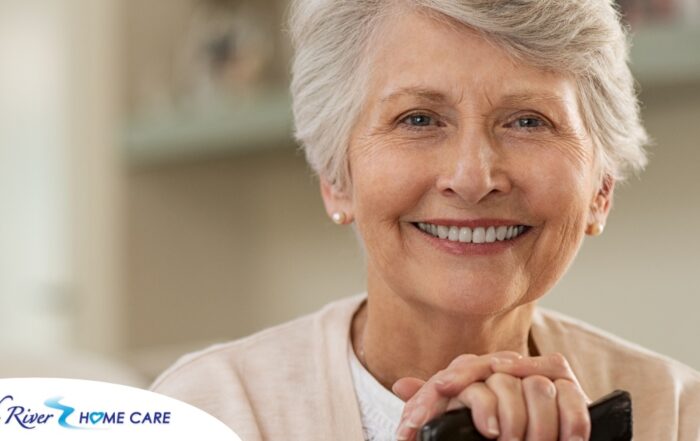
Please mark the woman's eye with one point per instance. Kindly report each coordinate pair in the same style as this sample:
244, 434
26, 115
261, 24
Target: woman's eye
418, 120
529, 123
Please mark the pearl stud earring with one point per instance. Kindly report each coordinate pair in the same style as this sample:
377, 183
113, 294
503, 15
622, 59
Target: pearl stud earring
596, 229
339, 217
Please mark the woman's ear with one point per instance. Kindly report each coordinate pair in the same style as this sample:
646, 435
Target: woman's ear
338, 202
600, 206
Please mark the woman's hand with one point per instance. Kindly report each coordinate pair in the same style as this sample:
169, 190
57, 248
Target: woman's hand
511, 397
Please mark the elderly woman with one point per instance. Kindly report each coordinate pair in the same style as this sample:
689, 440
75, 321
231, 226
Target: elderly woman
473, 144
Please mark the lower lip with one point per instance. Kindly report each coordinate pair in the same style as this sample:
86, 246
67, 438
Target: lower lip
471, 249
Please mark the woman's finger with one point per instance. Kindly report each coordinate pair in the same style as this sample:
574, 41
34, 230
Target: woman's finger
574, 419
542, 411
512, 410
467, 369
419, 409
406, 387
553, 366
484, 406
416, 414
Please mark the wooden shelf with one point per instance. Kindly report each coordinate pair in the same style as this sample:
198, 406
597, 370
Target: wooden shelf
229, 127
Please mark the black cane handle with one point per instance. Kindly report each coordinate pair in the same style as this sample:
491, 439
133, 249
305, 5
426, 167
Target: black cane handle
611, 420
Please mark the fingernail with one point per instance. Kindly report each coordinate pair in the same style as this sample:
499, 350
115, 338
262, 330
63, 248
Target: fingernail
503, 361
575, 438
551, 390
403, 432
415, 420
492, 425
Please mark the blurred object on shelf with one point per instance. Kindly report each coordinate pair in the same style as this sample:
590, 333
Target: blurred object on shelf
205, 77
651, 12
225, 53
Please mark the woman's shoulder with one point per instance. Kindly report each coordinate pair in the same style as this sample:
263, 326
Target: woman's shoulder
562, 332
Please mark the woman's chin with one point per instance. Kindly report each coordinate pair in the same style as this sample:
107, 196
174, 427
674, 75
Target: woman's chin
472, 303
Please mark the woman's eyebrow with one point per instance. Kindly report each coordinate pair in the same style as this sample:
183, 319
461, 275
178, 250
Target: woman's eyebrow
437, 96
418, 92
537, 97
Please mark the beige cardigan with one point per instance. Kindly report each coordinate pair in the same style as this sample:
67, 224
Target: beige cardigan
293, 381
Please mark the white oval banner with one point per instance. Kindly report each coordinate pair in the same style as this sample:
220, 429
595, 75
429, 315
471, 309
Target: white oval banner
66, 409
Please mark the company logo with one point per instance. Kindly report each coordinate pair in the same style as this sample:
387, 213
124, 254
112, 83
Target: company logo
72, 410
67, 416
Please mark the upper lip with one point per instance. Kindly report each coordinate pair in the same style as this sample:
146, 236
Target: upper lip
472, 223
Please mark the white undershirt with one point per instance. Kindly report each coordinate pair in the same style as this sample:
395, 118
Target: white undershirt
380, 408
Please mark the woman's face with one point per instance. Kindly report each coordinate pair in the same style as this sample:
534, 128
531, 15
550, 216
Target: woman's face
456, 135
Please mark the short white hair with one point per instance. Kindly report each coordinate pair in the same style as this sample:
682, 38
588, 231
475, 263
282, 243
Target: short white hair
582, 38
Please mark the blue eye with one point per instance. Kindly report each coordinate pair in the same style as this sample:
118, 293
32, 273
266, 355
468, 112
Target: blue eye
418, 120
529, 122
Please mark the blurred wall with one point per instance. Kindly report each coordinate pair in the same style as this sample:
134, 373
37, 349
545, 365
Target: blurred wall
220, 248
60, 179
34, 189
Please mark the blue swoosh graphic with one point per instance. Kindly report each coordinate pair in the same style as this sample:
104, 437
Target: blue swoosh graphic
67, 410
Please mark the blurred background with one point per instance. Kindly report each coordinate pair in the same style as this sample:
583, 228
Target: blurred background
153, 201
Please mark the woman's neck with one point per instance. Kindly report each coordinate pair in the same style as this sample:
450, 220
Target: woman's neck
394, 339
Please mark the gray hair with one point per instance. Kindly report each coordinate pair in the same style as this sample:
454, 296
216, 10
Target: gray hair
583, 38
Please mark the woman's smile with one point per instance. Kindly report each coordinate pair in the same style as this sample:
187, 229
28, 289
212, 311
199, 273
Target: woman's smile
471, 238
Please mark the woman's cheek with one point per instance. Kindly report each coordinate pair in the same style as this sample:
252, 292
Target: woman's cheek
392, 170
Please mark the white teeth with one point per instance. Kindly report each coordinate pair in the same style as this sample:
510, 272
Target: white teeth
491, 235
453, 235
465, 234
501, 232
477, 235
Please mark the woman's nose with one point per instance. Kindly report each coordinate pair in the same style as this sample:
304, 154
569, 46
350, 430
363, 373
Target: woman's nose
474, 169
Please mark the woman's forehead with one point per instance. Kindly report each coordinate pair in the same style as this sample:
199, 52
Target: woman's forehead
419, 57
